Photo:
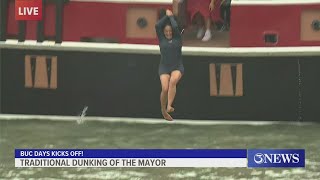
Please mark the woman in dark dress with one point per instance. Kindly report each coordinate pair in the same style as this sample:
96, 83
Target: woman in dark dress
171, 67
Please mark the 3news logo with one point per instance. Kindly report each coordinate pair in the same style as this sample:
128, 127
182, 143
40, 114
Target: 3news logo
28, 10
276, 158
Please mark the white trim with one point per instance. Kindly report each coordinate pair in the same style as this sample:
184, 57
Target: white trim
129, 1
273, 2
234, 2
146, 120
154, 49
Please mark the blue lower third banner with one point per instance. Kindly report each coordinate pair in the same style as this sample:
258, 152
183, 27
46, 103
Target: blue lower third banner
131, 158
276, 158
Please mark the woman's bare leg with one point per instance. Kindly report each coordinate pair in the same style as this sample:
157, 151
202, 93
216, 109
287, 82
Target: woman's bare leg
164, 78
208, 23
208, 33
174, 79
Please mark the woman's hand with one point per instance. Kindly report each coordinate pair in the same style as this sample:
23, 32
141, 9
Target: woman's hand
169, 12
211, 6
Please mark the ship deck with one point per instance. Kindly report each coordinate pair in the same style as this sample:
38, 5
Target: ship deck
219, 39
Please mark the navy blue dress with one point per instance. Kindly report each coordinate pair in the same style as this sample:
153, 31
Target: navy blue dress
171, 55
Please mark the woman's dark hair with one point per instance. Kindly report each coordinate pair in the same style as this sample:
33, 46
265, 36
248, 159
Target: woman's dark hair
167, 24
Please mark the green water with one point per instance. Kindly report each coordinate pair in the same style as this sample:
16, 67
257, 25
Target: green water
54, 134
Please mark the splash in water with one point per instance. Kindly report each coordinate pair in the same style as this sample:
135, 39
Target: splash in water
82, 115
